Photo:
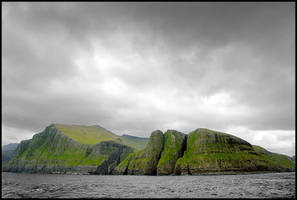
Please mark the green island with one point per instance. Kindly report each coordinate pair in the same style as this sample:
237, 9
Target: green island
73, 149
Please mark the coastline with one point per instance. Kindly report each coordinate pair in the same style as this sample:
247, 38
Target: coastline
198, 174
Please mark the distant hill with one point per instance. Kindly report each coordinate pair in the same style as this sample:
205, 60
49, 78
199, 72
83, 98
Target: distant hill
95, 134
133, 141
74, 149
10, 147
87, 134
69, 149
8, 150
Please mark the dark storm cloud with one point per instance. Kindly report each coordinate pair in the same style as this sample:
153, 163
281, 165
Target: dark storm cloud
137, 67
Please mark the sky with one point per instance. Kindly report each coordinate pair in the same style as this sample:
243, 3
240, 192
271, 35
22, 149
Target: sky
133, 68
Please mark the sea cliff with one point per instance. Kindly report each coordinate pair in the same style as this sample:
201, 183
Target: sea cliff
72, 149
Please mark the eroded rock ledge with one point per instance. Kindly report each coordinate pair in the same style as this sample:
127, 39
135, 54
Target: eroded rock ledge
203, 151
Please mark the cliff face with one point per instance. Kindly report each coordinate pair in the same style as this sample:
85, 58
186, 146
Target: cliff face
202, 151
53, 152
277, 162
174, 146
144, 161
211, 151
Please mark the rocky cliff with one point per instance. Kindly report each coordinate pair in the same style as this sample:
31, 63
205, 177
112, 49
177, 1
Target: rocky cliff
174, 147
202, 151
71, 149
51, 151
144, 161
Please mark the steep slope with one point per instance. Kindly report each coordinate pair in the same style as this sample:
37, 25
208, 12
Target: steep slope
144, 161
95, 134
71, 149
212, 151
278, 161
52, 151
135, 142
87, 134
173, 149
202, 151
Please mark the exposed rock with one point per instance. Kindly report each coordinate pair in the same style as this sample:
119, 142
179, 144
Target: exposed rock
146, 161
174, 146
202, 151
122, 168
211, 151
119, 153
276, 162
53, 152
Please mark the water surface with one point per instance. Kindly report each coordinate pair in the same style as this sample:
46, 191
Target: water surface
268, 185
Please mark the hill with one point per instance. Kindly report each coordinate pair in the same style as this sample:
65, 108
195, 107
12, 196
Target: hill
133, 141
8, 151
95, 134
94, 150
280, 161
58, 150
201, 151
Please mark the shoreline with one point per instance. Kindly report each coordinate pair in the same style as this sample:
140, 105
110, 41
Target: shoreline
198, 174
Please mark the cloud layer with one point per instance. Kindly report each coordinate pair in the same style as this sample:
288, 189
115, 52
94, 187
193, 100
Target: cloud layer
137, 67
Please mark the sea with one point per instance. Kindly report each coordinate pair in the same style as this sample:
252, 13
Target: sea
266, 185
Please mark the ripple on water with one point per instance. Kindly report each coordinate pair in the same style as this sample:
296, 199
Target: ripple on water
91, 186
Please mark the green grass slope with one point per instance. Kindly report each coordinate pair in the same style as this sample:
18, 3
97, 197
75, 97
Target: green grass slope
173, 149
213, 151
279, 161
53, 152
135, 142
95, 134
87, 134
144, 162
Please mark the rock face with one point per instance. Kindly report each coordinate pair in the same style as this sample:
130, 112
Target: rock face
201, 151
174, 147
53, 152
119, 152
144, 161
211, 151
276, 162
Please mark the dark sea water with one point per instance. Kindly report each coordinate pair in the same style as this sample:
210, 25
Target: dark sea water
268, 185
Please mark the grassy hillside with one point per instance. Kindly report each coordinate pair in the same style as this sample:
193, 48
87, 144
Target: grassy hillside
275, 159
87, 134
133, 141
93, 149
212, 151
144, 161
54, 152
173, 149
201, 151
95, 134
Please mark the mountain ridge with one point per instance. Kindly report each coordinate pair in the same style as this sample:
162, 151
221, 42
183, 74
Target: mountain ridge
61, 149
95, 133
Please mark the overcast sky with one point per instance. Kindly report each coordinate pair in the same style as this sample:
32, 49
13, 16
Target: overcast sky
137, 67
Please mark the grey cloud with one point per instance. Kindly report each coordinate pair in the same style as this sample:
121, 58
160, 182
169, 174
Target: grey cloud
181, 49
